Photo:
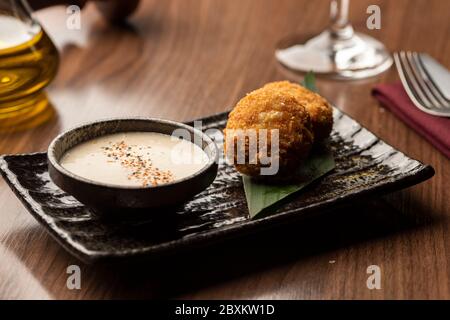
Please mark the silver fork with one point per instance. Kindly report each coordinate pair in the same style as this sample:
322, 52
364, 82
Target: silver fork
418, 85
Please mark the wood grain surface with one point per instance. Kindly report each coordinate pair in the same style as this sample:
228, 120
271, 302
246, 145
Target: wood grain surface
187, 59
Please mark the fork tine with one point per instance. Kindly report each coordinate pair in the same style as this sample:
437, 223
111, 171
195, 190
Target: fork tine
435, 92
420, 81
414, 82
409, 82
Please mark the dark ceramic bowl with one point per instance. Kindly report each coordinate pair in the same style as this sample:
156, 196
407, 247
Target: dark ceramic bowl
106, 196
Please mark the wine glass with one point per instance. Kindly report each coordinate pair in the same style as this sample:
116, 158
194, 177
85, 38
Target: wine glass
338, 52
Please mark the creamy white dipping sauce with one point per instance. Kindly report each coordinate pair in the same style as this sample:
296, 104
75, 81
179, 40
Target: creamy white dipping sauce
135, 159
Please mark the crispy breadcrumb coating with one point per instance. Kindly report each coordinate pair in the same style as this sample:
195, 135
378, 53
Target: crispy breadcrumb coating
320, 111
270, 109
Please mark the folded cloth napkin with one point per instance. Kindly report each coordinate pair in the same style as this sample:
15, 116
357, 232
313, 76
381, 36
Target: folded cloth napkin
433, 128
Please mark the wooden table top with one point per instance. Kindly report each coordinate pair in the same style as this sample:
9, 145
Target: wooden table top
187, 59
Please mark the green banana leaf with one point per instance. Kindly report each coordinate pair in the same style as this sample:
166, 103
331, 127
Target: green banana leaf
263, 198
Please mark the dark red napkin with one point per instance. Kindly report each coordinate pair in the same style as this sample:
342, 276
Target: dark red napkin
435, 129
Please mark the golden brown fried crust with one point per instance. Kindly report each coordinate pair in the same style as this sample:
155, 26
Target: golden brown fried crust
320, 111
269, 109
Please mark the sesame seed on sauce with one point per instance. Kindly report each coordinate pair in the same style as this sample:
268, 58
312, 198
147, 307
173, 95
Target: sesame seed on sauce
142, 170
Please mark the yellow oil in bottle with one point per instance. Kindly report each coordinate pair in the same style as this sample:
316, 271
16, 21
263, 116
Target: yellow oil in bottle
28, 62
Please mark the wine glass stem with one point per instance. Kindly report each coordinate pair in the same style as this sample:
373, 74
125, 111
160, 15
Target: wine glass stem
340, 27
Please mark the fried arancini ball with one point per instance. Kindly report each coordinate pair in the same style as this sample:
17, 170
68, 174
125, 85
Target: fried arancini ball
270, 109
319, 109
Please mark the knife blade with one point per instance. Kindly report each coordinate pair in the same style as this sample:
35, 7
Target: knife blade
438, 74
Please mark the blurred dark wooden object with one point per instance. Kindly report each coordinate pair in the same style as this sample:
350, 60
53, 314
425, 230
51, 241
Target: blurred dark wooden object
113, 10
186, 59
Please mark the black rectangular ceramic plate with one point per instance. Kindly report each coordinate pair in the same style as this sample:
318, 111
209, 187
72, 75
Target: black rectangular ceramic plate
365, 166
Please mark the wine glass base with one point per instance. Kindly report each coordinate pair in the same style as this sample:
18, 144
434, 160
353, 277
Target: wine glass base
357, 57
